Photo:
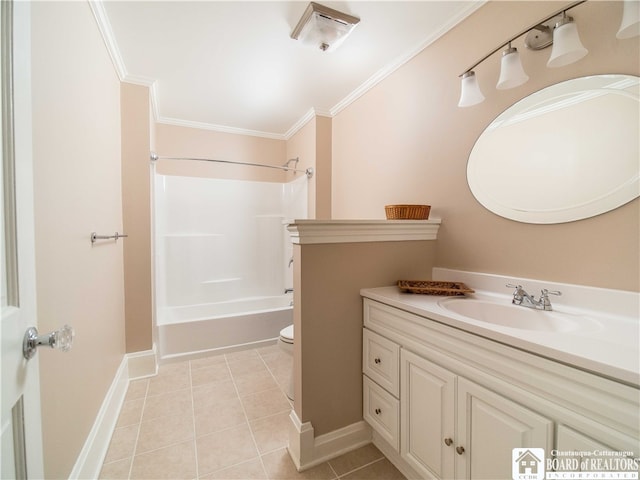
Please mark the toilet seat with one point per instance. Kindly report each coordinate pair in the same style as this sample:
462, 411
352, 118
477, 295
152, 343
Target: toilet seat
286, 334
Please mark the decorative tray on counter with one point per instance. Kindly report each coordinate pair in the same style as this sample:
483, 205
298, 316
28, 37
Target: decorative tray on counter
434, 287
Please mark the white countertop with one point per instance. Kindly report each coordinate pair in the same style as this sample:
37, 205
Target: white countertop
608, 345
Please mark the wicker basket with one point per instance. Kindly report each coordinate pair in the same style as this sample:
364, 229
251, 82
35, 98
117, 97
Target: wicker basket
407, 212
434, 287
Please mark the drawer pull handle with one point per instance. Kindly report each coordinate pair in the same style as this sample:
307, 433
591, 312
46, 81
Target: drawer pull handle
448, 442
377, 360
378, 411
460, 450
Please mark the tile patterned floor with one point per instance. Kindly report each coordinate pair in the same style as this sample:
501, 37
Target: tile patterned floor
220, 417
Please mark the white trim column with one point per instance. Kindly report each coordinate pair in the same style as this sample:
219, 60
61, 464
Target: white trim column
307, 232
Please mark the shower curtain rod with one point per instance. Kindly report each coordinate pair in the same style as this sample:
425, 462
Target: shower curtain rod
308, 172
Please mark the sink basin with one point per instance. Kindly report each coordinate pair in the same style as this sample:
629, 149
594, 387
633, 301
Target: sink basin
512, 316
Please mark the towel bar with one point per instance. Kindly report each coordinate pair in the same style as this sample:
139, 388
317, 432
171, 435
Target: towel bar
95, 236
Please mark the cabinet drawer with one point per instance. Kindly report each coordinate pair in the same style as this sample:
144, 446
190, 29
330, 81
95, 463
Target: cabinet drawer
570, 440
380, 361
381, 410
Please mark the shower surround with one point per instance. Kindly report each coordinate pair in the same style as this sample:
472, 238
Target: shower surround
222, 261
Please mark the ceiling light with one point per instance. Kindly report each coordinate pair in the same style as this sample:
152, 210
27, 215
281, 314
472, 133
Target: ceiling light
511, 72
323, 27
567, 47
470, 94
630, 25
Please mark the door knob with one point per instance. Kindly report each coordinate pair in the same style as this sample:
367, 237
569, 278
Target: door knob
460, 450
60, 339
448, 442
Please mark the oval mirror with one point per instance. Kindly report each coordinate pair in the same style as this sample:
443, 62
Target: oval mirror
567, 152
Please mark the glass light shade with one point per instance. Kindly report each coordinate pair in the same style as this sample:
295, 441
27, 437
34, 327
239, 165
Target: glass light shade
511, 72
470, 93
567, 47
630, 25
324, 33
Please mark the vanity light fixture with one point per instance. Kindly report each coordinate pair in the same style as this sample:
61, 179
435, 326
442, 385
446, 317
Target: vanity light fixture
471, 94
630, 25
511, 72
323, 27
567, 48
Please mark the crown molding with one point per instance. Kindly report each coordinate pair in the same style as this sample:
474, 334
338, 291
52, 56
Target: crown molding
104, 26
320, 112
153, 95
311, 113
302, 121
139, 80
99, 13
384, 72
218, 128
370, 83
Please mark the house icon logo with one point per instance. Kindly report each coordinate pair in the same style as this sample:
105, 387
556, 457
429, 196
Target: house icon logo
528, 463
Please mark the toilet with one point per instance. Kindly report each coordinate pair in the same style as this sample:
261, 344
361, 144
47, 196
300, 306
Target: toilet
285, 342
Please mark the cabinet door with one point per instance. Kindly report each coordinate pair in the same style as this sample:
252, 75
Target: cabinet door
427, 416
489, 427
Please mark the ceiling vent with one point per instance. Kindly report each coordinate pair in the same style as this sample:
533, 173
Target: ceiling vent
323, 27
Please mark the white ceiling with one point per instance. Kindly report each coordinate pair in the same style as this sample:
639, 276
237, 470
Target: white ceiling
232, 66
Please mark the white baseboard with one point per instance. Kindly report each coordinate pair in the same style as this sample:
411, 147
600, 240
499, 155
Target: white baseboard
307, 451
95, 447
142, 364
133, 365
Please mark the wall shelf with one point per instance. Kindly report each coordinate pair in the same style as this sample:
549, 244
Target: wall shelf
308, 232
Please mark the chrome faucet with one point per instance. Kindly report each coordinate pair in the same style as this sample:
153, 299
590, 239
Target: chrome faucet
522, 298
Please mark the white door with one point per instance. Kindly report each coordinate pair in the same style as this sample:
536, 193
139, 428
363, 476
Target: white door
20, 432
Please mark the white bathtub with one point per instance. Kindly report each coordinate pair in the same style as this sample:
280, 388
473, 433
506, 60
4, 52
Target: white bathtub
224, 326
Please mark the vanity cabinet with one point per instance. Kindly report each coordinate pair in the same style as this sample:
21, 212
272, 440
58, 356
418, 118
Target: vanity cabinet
447, 404
489, 426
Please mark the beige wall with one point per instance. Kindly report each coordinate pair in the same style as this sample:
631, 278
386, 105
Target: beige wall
76, 139
177, 141
136, 208
324, 157
328, 321
406, 141
302, 145
312, 145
